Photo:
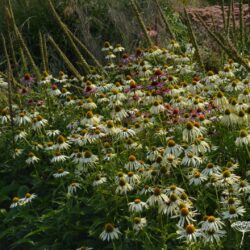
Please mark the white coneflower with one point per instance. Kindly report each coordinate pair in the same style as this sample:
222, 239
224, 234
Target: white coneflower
171, 161
118, 48
90, 119
107, 47
169, 207
133, 178
119, 113
185, 216
227, 72
110, 128
4, 116
89, 105
88, 158
212, 223
191, 132
233, 212
245, 96
59, 157
191, 160
133, 164
235, 85
157, 108
60, 173
227, 177
173, 189
20, 135
39, 122
157, 198
242, 118
99, 180
131, 144
243, 227
125, 133
211, 169
153, 154
229, 118
139, 223
173, 148
109, 156
200, 146
189, 233
49, 146
123, 187
196, 177
22, 119
17, 152
243, 139
220, 100
242, 187
15, 202
72, 188
213, 236
137, 206
110, 233
117, 96
53, 133
32, 159
230, 201
146, 190
28, 198
61, 143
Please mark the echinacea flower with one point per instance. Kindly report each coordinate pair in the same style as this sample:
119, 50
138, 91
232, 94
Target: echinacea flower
60, 173
137, 205
32, 159
212, 223
189, 233
243, 139
123, 187
110, 233
157, 198
139, 223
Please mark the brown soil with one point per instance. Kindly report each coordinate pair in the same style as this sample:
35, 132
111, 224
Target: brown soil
212, 15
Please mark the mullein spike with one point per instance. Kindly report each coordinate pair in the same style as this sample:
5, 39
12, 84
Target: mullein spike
42, 51
45, 50
141, 22
10, 81
78, 54
223, 13
28, 54
23, 60
164, 18
231, 51
194, 41
20, 38
67, 62
241, 25
229, 14
233, 17
85, 49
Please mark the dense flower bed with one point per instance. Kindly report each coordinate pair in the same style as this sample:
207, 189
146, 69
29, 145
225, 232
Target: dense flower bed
151, 155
